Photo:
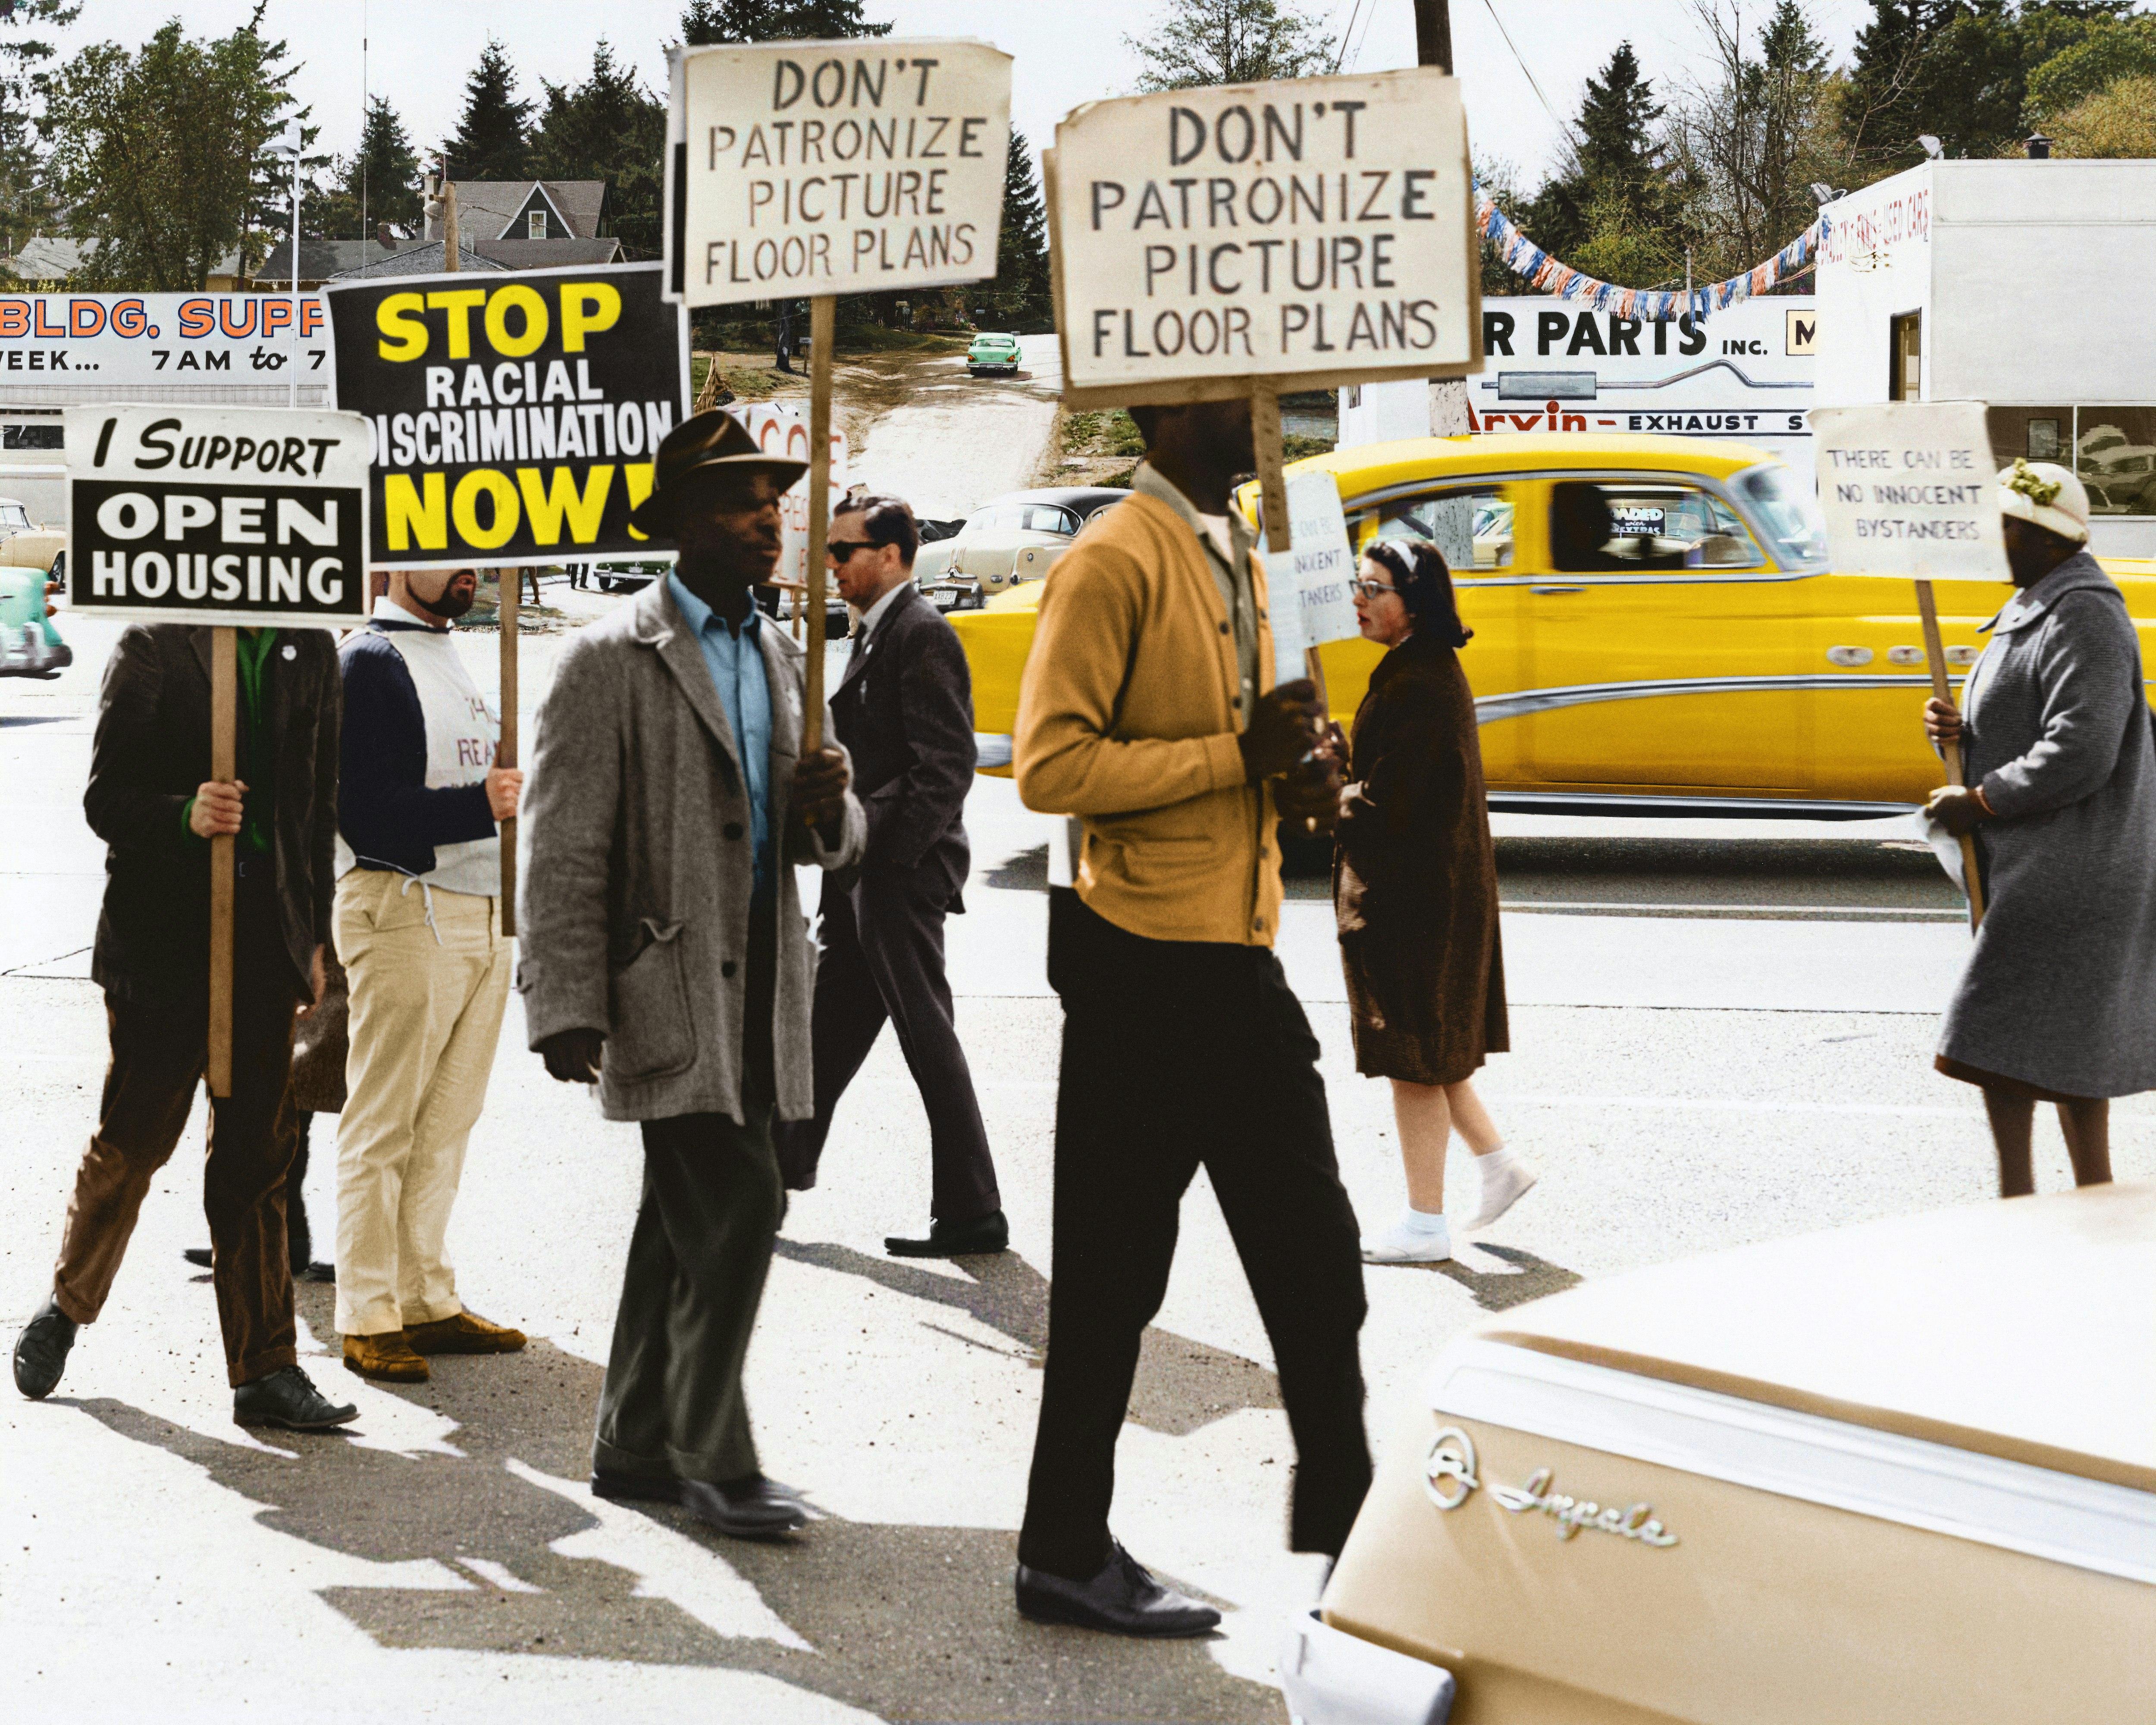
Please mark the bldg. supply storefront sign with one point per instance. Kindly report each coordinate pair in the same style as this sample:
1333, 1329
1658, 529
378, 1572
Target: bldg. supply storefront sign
1319, 231
220, 515
516, 415
805, 169
59, 349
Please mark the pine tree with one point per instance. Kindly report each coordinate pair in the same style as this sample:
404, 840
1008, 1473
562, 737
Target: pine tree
1213, 41
377, 183
492, 139
1616, 168
1021, 296
708, 22
609, 127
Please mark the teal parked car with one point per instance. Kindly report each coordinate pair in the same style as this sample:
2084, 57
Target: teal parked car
994, 353
29, 645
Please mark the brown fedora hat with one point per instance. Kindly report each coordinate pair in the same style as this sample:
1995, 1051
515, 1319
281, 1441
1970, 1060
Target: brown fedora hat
712, 440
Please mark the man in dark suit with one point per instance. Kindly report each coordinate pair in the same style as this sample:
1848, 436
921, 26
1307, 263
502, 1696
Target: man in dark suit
152, 799
905, 711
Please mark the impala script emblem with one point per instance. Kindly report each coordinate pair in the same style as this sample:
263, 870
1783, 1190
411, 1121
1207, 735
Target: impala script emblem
1449, 1478
1634, 1521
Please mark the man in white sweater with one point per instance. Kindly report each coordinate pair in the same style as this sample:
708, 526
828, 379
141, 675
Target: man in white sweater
419, 928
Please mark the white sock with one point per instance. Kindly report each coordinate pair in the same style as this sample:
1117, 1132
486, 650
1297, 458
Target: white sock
1426, 1223
1493, 1161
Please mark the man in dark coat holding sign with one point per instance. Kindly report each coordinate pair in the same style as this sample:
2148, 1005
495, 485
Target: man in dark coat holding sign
153, 801
665, 957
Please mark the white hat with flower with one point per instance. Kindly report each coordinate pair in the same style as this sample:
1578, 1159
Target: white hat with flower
2047, 495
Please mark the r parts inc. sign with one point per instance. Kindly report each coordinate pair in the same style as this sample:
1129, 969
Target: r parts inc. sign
516, 416
59, 349
1318, 230
814, 168
221, 515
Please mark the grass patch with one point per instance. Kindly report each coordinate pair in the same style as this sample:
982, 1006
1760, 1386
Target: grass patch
1295, 447
1108, 433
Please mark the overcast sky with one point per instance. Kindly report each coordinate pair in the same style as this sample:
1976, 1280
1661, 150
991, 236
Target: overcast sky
1067, 51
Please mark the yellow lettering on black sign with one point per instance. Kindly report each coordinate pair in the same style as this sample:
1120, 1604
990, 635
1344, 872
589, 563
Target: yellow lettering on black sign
586, 308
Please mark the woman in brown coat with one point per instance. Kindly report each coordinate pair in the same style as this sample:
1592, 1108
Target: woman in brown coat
1415, 885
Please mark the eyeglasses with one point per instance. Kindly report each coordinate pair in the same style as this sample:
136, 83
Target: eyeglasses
1369, 589
840, 551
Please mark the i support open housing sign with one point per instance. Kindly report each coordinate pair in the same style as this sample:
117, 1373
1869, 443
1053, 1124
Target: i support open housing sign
515, 415
248, 516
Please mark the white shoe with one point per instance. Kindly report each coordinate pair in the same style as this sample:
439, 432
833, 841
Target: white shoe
1502, 1187
1400, 1245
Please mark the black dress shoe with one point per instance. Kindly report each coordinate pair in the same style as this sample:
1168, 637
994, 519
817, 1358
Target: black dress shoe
755, 1508
288, 1398
41, 1351
955, 1239
199, 1256
634, 1488
1123, 1599
303, 1270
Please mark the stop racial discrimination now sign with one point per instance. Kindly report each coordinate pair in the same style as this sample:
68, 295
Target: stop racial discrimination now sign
1314, 232
813, 168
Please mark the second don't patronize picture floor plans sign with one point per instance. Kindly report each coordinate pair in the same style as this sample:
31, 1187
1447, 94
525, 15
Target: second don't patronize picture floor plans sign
1309, 233
516, 416
246, 516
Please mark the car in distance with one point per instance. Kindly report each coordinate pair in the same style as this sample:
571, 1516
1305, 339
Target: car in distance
626, 574
994, 353
1658, 629
1859, 1475
1007, 543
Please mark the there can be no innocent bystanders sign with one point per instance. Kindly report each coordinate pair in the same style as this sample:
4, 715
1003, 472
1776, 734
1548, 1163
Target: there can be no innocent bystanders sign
1319, 230
252, 516
1910, 488
813, 168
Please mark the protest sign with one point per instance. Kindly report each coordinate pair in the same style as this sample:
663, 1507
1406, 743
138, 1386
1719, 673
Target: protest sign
1311, 604
1910, 488
230, 517
516, 413
807, 168
253, 516
1313, 233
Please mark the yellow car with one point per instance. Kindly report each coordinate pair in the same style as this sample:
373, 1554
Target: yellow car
1656, 627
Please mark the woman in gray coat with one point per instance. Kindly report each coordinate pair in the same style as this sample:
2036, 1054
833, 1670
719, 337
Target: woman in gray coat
2058, 1001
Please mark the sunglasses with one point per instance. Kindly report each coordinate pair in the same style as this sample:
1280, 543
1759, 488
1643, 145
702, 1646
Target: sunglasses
1369, 589
841, 550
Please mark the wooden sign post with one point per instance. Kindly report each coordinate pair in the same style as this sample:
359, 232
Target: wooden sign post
509, 584
823, 311
223, 857
1909, 488
1935, 655
242, 538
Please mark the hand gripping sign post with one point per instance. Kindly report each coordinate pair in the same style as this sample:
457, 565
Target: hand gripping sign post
821, 168
235, 517
516, 415
1909, 488
1253, 239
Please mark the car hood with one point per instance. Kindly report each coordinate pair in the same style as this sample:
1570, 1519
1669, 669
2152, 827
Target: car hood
2024, 1329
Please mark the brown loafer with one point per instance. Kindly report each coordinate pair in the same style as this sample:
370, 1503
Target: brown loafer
387, 1357
466, 1333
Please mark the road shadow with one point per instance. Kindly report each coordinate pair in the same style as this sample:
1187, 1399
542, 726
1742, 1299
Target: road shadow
906, 1622
1182, 1385
1530, 1278
1023, 871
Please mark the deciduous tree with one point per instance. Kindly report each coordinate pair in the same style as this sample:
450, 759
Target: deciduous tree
708, 22
1207, 42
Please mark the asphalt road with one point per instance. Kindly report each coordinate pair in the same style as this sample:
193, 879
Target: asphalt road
1721, 1033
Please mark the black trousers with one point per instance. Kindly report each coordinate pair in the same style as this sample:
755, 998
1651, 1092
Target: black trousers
1177, 1056
672, 1405
883, 958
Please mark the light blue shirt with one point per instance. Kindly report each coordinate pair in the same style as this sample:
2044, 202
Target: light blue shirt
735, 658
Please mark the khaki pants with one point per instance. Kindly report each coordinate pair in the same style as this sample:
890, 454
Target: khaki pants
427, 1002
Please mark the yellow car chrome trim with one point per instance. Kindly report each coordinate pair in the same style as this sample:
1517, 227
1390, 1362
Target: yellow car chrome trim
1520, 702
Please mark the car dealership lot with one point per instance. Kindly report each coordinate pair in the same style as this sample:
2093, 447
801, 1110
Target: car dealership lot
1722, 1034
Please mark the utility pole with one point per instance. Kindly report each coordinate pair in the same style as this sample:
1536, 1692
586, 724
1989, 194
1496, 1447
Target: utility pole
1448, 396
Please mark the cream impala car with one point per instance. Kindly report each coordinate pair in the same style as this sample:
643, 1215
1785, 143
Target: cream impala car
1898, 1473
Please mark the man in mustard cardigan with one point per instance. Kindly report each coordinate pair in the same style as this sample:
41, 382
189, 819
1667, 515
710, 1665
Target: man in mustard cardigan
1147, 713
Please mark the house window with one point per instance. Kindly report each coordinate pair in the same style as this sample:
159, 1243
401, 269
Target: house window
535, 224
